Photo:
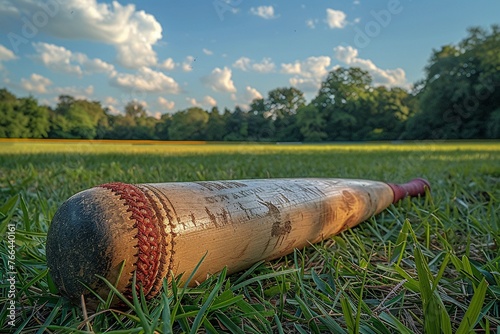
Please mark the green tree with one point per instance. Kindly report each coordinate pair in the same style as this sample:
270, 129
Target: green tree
189, 124
135, 110
281, 106
12, 123
78, 119
260, 122
145, 128
97, 114
391, 112
311, 124
236, 125
161, 128
493, 127
215, 127
38, 125
7, 97
135, 124
22, 118
120, 127
460, 97
281, 102
346, 102
81, 123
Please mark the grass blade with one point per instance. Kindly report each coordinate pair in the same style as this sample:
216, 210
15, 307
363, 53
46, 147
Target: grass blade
471, 315
348, 316
263, 277
202, 313
395, 323
430, 307
229, 324
400, 246
165, 315
139, 306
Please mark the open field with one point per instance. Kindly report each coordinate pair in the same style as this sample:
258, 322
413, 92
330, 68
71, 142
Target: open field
424, 265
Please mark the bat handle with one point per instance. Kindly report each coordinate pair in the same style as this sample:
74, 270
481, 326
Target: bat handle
415, 187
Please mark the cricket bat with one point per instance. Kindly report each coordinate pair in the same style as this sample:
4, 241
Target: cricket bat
115, 230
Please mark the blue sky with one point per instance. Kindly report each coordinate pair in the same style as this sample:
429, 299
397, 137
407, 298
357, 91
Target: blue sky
171, 55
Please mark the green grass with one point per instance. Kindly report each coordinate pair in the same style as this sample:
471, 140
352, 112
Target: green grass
424, 265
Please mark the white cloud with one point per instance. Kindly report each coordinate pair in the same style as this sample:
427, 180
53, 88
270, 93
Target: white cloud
207, 52
97, 65
266, 12
192, 101
145, 80
45, 102
345, 54
251, 94
244, 99
207, 101
312, 67
113, 105
113, 110
58, 58
336, 19
5, 55
311, 23
76, 92
389, 77
220, 80
305, 84
187, 64
265, 66
308, 73
168, 64
89, 90
143, 103
243, 63
246, 64
167, 104
6, 8
132, 32
36, 84
291, 68
110, 100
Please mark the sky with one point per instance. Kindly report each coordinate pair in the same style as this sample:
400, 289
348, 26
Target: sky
172, 55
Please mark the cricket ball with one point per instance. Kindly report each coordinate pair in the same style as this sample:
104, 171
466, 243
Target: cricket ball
108, 232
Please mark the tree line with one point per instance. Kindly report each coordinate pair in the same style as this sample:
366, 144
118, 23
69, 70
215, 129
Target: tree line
459, 98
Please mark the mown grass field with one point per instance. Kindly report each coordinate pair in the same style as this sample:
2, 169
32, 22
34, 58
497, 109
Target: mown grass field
424, 265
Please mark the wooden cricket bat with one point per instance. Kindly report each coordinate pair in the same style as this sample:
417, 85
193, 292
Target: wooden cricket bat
152, 229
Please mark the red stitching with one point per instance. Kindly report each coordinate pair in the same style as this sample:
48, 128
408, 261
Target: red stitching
148, 233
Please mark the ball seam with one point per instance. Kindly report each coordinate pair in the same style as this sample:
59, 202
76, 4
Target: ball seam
148, 234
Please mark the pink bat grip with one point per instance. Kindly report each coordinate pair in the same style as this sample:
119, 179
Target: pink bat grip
415, 187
